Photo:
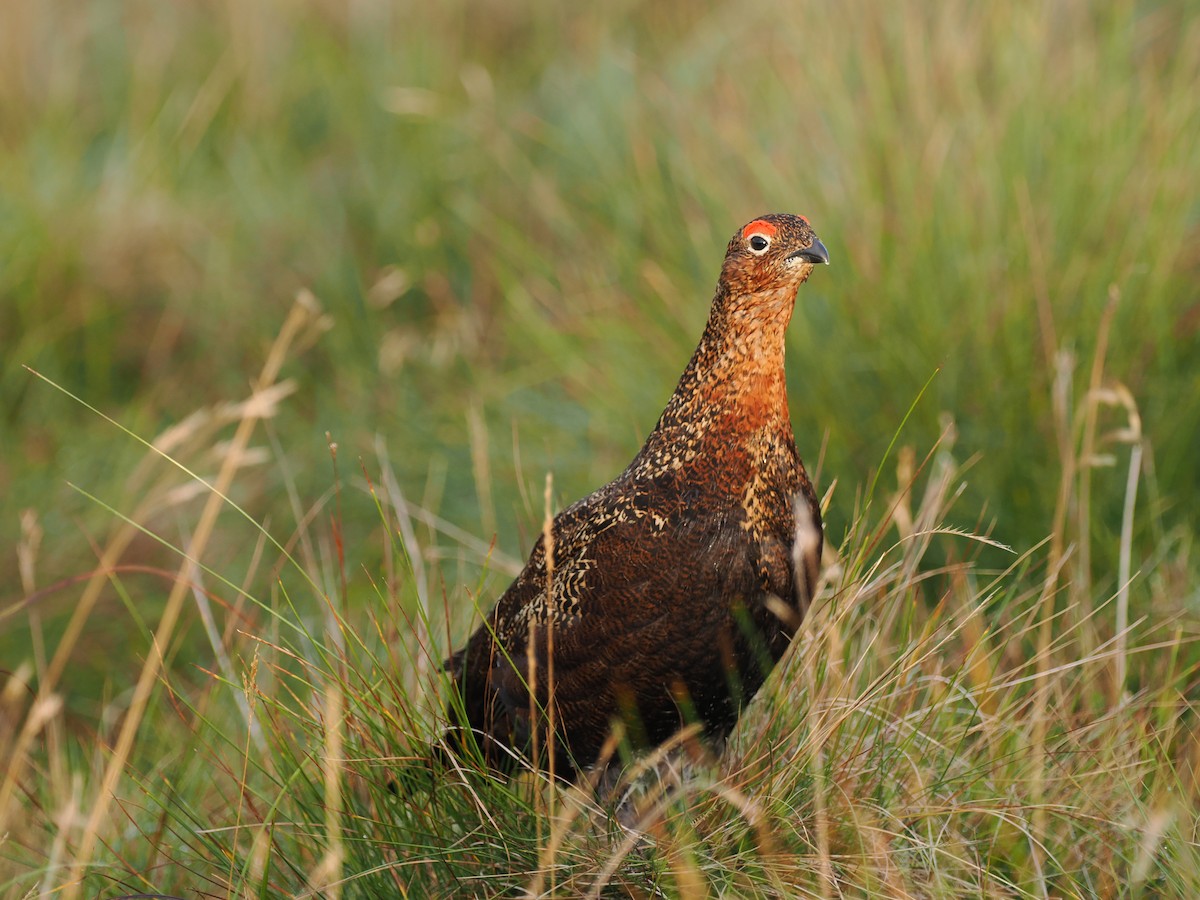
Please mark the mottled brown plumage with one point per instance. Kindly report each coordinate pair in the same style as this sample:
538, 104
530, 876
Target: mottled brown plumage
660, 583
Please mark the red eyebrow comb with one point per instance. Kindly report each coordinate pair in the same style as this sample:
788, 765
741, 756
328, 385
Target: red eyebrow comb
759, 226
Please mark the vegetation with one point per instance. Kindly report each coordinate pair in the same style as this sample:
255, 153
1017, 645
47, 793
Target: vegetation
300, 304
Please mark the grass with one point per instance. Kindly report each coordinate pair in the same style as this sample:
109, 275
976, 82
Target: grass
511, 253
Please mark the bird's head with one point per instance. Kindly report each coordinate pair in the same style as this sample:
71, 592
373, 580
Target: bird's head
774, 253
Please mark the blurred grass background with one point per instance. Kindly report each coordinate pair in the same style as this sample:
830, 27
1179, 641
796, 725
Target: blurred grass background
514, 214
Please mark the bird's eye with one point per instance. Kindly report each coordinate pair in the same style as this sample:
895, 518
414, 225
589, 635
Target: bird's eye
758, 243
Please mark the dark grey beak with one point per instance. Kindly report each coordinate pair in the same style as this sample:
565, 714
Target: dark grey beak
814, 254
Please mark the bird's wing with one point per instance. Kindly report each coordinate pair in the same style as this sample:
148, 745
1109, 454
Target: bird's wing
636, 607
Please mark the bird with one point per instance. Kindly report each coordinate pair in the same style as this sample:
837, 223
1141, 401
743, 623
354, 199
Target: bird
668, 595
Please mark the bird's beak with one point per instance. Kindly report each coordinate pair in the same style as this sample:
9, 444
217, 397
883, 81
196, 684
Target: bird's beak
814, 254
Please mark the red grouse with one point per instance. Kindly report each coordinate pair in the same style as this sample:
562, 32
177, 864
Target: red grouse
660, 604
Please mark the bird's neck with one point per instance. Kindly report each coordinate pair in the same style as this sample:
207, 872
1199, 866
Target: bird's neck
734, 384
